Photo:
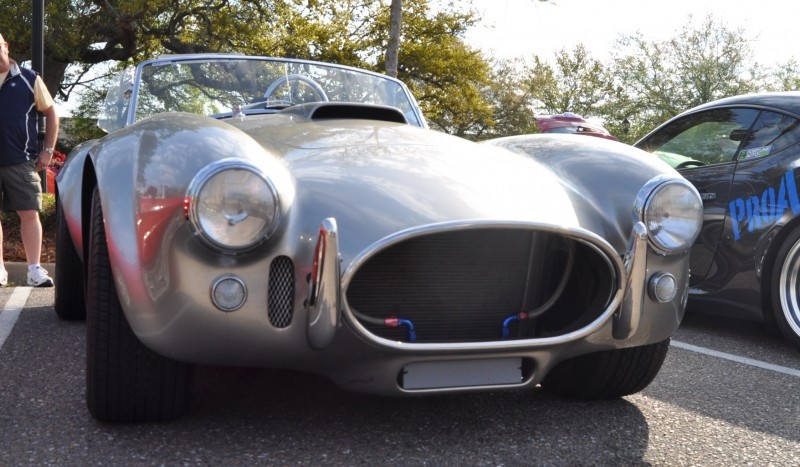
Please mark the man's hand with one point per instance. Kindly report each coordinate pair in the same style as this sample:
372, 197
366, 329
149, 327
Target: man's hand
43, 160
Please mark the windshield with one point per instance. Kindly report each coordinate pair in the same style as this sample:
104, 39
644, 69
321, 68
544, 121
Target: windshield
230, 86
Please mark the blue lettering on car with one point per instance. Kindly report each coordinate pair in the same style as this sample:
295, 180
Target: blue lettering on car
761, 211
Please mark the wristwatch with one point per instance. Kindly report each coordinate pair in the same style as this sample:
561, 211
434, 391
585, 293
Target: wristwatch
49, 151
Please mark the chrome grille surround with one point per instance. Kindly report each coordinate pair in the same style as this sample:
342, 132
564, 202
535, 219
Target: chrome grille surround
432, 277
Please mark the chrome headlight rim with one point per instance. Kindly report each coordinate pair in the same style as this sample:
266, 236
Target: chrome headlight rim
645, 199
200, 181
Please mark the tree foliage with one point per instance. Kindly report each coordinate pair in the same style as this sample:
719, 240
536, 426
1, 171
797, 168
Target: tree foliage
445, 74
785, 77
659, 79
510, 100
577, 83
461, 90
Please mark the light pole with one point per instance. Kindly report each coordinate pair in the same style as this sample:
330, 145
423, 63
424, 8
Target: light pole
37, 36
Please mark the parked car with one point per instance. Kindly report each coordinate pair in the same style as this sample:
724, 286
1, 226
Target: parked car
742, 155
569, 122
263, 212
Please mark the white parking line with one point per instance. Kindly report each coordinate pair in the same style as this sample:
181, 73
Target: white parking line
737, 359
10, 313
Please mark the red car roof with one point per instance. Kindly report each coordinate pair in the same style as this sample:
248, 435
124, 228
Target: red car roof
569, 122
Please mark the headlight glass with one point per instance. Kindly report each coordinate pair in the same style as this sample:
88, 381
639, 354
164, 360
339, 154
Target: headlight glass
233, 205
673, 215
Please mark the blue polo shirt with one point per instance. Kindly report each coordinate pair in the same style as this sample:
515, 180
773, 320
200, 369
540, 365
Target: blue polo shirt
19, 121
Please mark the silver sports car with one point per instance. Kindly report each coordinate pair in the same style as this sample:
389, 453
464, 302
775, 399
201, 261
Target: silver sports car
251, 211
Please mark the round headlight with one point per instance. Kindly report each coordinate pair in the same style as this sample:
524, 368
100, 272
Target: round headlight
673, 214
233, 205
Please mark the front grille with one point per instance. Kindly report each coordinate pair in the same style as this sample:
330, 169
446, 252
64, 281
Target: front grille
281, 292
463, 285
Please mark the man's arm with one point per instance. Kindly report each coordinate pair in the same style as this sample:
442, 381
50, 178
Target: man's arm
50, 136
45, 105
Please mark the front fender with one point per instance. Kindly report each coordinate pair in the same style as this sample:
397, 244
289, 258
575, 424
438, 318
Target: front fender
142, 173
69, 181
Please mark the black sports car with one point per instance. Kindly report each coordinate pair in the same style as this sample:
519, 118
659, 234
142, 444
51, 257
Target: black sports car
742, 154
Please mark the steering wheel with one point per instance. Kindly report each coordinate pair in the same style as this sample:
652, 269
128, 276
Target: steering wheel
691, 163
296, 79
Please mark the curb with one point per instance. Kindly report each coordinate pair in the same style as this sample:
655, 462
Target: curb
18, 272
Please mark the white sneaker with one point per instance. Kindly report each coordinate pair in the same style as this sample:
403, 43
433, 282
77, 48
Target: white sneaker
38, 277
3, 277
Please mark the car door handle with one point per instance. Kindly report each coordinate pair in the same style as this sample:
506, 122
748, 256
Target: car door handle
708, 196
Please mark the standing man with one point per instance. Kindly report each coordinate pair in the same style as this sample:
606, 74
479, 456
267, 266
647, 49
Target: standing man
22, 94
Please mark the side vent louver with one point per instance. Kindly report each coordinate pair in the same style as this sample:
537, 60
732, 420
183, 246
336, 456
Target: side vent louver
281, 292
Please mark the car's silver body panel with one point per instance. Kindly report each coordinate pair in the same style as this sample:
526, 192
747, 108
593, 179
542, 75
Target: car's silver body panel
379, 181
375, 217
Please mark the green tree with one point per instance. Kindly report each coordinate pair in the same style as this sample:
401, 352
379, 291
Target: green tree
511, 101
659, 79
80, 34
445, 74
786, 77
84, 36
577, 83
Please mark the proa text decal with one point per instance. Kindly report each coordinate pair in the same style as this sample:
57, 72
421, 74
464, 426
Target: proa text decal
761, 211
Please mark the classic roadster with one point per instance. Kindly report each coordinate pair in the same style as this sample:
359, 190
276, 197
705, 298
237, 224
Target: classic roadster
250, 211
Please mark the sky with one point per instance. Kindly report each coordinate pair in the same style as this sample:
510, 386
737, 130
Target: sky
523, 28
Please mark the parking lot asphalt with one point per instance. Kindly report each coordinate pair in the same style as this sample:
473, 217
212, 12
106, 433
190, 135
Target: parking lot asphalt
726, 396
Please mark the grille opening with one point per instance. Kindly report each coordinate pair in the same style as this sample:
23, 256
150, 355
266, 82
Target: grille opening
461, 286
280, 295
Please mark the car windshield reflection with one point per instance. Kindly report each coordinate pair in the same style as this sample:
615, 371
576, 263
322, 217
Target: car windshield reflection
234, 86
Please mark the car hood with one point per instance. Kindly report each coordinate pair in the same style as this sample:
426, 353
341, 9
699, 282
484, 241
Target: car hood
603, 178
380, 178
377, 179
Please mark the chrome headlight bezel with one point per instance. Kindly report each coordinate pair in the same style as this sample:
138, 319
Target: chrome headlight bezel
197, 197
672, 211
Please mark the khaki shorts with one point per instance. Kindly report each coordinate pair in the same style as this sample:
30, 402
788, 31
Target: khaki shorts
20, 187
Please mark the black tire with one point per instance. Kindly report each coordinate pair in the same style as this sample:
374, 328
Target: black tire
125, 381
785, 288
608, 374
70, 303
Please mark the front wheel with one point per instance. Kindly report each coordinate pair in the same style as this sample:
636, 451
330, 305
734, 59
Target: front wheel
785, 288
608, 374
125, 381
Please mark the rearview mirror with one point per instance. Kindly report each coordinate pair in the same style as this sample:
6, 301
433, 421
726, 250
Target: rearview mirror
739, 134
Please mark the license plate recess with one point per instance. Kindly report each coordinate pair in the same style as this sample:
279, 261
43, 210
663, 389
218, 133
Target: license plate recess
462, 373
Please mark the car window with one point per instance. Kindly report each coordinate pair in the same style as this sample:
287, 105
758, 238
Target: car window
771, 133
704, 138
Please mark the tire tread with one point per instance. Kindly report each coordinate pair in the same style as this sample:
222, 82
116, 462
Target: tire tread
70, 302
125, 381
608, 374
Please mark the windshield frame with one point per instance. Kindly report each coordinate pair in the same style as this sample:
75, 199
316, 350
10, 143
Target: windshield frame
129, 116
